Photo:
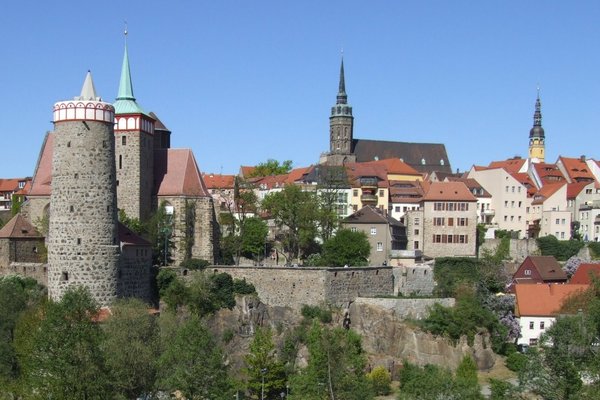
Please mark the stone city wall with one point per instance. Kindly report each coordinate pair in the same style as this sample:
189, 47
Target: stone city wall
37, 271
293, 287
414, 280
519, 248
135, 277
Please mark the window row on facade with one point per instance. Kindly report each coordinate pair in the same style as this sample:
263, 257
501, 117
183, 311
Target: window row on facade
451, 206
457, 239
441, 221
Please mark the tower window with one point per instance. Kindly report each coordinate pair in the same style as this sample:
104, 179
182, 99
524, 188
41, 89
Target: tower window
71, 208
124, 140
120, 161
76, 176
78, 240
64, 277
68, 144
107, 208
104, 143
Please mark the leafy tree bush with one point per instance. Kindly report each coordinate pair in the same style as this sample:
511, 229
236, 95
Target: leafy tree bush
381, 380
516, 361
346, 248
561, 249
315, 312
432, 383
271, 167
451, 272
194, 264
164, 278
240, 286
261, 365
594, 249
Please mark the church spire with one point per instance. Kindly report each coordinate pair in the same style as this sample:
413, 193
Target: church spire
125, 102
537, 137
88, 91
125, 84
342, 97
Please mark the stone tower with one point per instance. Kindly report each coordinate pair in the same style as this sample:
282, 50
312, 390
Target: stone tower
537, 138
341, 123
82, 241
134, 149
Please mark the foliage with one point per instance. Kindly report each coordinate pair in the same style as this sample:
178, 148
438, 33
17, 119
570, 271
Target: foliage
323, 314
562, 250
346, 248
160, 234
508, 234
188, 238
192, 363
331, 181
194, 264
335, 367
16, 295
271, 167
262, 369
516, 361
451, 272
501, 390
594, 249
380, 380
164, 278
480, 238
295, 213
467, 317
432, 382
133, 224
65, 360
17, 202
254, 233
131, 348
240, 286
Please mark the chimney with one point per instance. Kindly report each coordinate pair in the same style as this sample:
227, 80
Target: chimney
582, 158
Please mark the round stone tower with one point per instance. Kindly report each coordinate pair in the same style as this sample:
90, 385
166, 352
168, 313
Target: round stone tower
82, 241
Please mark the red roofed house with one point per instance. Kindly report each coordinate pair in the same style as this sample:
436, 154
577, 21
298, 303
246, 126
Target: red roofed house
10, 187
575, 169
585, 273
537, 307
539, 269
446, 224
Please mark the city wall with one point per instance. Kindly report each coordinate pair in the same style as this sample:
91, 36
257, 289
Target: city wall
519, 248
405, 308
292, 287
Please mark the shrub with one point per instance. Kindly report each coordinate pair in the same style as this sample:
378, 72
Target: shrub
321, 313
194, 263
164, 279
228, 335
381, 381
594, 249
561, 249
240, 286
516, 361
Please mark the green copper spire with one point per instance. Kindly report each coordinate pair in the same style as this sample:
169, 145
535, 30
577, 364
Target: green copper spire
125, 102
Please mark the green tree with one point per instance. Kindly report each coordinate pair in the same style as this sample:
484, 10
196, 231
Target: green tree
271, 167
65, 360
131, 348
335, 367
295, 213
132, 223
331, 182
192, 363
262, 365
253, 237
432, 382
160, 234
562, 250
346, 248
381, 381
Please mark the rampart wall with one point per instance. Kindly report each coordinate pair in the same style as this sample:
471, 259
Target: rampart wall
406, 308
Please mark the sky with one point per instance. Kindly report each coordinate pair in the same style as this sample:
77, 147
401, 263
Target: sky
240, 82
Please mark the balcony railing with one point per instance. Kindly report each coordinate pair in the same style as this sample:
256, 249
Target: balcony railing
368, 198
489, 211
368, 182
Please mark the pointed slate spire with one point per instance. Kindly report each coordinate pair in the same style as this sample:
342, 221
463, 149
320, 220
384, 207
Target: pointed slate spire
88, 91
125, 85
125, 102
342, 97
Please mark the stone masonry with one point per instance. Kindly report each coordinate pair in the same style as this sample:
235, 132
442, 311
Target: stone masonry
293, 287
82, 241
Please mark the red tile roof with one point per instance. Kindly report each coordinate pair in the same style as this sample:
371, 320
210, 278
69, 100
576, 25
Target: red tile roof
394, 166
543, 299
176, 173
218, 181
355, 171
573, 189
246, 171
548, 173
19, 227
577, 169
471, 184
525, 180
42, 180
546, 192
512, 165
548, 268
584, 273
448, 191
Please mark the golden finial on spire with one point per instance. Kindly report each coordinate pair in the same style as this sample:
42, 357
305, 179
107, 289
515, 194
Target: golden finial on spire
125, 32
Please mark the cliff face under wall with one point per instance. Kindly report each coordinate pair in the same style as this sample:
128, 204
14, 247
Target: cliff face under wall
388, 338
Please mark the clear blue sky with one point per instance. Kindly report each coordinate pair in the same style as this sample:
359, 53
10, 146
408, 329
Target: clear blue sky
239, 82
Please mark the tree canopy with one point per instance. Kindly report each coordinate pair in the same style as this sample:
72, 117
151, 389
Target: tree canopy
346, 248
271, 167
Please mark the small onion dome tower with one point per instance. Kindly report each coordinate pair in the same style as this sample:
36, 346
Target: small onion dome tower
82, 241
341, 121
537, 138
